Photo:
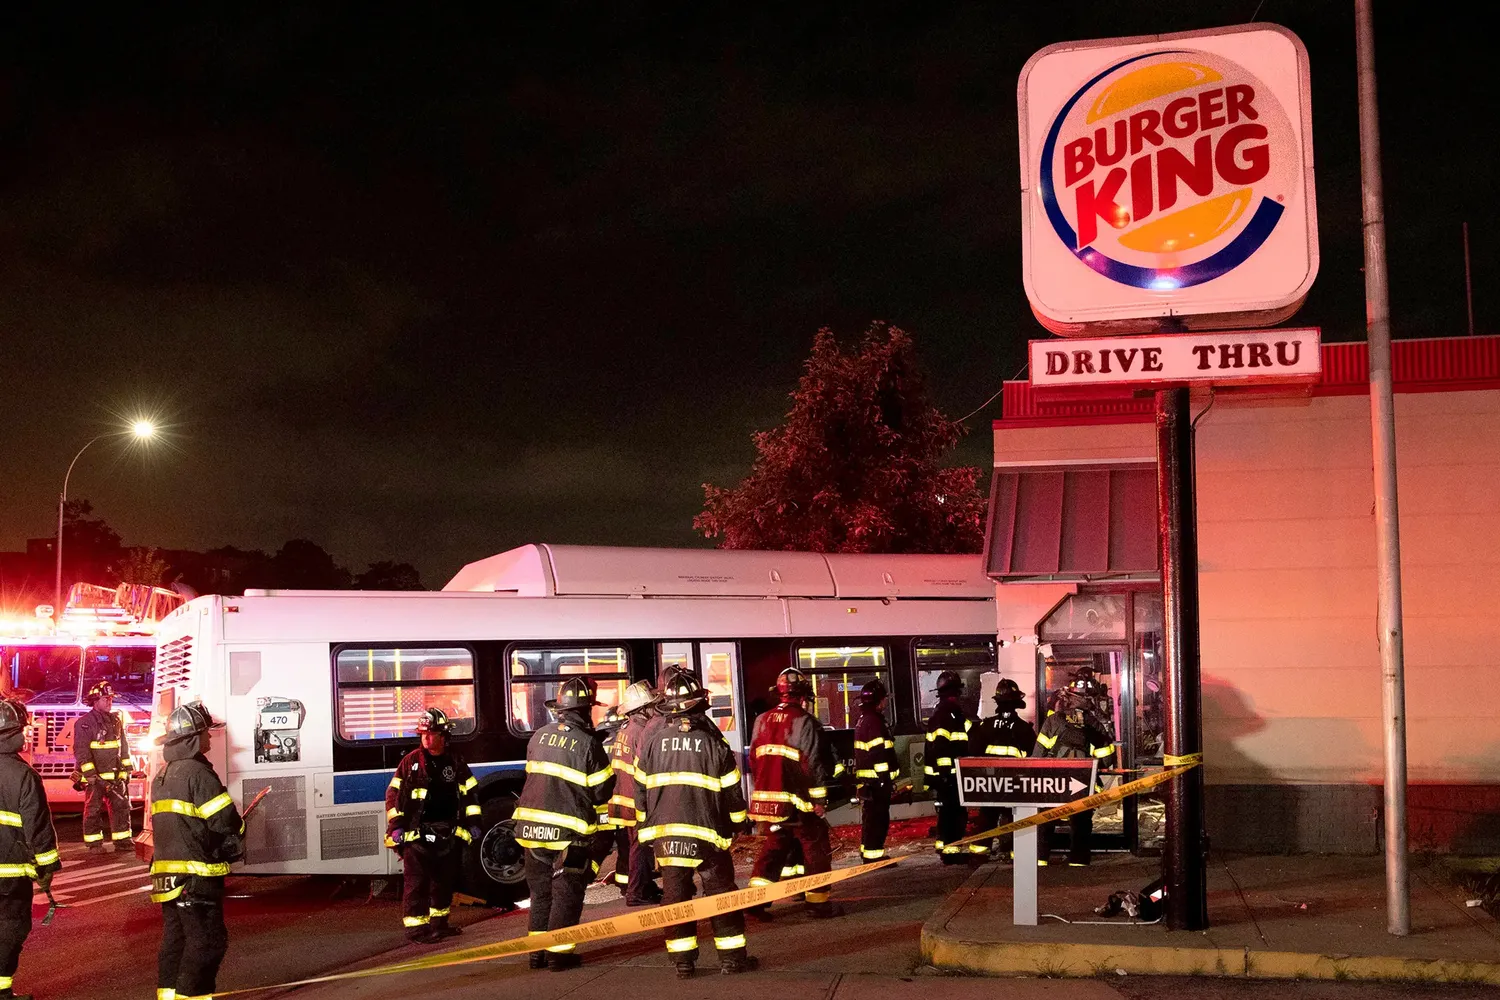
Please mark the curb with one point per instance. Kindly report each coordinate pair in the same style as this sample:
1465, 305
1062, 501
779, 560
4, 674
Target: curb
1054, 960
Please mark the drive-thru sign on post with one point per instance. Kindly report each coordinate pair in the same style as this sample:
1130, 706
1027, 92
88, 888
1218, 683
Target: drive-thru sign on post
1024, 785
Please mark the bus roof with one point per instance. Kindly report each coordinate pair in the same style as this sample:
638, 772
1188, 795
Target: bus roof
542, 570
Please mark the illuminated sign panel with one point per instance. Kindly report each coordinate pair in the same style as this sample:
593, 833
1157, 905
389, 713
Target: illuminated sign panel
1168, 177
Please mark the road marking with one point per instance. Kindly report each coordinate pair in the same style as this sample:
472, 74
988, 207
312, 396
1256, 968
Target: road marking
99, 899
76, 889
68, 877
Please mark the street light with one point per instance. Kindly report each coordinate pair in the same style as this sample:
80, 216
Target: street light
141, 430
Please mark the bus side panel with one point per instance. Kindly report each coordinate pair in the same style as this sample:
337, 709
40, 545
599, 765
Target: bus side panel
279, 716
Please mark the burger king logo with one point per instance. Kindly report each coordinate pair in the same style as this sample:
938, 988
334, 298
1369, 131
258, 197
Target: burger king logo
1168, 169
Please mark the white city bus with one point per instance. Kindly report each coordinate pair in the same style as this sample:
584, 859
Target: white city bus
321, 690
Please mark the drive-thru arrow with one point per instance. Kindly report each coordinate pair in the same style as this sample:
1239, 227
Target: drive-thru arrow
1075, 786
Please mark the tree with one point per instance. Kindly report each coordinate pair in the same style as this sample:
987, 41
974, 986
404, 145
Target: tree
90, 545
142, 565
304, 565
387, 575
857, 465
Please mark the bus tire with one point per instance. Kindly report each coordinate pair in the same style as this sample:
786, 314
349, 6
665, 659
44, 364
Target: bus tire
495, 865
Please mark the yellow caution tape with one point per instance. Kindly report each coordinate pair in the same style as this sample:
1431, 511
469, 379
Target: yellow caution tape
1171, 760
1083, 805
657, 918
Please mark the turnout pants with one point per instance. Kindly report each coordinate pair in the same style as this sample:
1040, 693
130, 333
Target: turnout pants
635, 871
875, 819
989, 818
101, 796
808, 831
193, 943
429, 871
557, 880
952, 817
717, 872
15, 925
1081, 835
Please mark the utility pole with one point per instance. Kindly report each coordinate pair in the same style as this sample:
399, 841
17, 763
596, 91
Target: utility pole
1468, 281
1387, 517
1184, 862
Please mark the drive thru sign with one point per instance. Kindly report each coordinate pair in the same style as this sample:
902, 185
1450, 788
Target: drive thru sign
1024, 784
1044, 782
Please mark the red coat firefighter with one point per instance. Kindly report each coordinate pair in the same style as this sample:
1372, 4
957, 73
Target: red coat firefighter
791, 770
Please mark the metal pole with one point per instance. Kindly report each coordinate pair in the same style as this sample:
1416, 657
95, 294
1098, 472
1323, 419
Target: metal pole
1468, 281
62, 499
1183, 860
1387, 517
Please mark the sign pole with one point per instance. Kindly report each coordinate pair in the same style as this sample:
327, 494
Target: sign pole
1387, 517
1184, 859
1023, 871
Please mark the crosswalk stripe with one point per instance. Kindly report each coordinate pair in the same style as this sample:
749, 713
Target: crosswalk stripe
114, 895
81, 888
67, 876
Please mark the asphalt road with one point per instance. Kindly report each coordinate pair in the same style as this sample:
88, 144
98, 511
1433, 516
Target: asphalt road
102, 944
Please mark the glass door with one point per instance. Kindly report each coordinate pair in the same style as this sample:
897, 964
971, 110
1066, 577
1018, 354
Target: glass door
717, 666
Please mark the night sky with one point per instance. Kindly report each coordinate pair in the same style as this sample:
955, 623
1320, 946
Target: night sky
420, 286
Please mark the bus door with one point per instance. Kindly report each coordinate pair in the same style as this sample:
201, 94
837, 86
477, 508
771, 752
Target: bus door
716, 665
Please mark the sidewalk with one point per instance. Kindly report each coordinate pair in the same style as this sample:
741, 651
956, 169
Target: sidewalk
1274, 917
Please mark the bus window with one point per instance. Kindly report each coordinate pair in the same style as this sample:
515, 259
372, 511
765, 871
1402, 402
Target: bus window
382, 692
967, 656
837, 673
129, 670
536, 672
669, 655
49, 671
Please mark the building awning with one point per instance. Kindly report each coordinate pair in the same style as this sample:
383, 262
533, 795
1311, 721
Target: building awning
1072, 523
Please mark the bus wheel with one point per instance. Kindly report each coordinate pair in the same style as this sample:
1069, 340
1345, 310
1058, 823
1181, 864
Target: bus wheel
495, 868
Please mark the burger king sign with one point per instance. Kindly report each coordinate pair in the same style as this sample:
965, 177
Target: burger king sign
1167, 181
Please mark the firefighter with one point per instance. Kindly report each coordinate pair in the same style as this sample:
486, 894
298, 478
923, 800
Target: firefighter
28, 845
634, 873
102, 755
791, 769
1004, 734
563, 808
947, 739
689, 797
196, 832
1074, 731
432, 813
875, 769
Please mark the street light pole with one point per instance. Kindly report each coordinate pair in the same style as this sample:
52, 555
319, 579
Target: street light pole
62, 499
141, 429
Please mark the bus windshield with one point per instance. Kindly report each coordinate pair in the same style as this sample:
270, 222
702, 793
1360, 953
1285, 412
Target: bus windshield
129, 669
49, 672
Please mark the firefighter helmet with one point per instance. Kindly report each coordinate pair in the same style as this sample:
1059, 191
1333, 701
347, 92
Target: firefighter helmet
683, 692
104, 689
1008, 696
187, 721
948, 681
793, 683
13, 716
872, 693
435, 720
575, 692
611, 722
638, 696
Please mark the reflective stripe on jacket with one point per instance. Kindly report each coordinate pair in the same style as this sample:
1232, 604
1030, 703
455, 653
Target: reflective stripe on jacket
947, 738
1061, 738
874, 748
406, 796
688, 792
28, 844
191, 817
791, 764
1004, 735
100, 746
623, 749
569, 782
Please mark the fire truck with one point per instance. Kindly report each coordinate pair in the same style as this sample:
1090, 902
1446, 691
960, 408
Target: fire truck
102, 634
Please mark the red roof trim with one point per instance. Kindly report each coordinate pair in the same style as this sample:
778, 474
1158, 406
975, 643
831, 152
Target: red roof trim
1437, 364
